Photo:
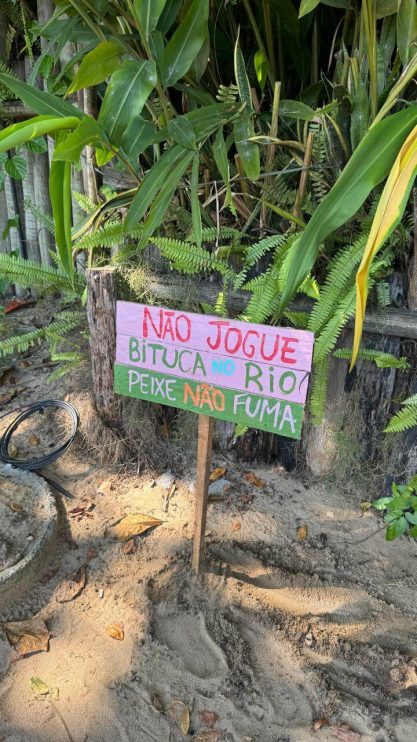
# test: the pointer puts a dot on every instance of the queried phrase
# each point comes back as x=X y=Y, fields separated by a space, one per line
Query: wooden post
x=101 y=314
x=205 y=437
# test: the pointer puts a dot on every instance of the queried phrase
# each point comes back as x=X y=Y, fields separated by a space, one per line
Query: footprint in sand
x=188 y=637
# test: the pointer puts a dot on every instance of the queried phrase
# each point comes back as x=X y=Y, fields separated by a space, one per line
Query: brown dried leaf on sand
x=179 y=712
x=131 y=525
x=251 y=477
x=208 y=718
x=27 y=637
x=72 y=585
x=220 y=471
x=116 y=631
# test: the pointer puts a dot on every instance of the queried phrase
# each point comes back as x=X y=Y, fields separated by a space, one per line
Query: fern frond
x=381 y=359
x=297 y=319
x=85 y=203
x=20 y=343
x=65 y=369
x=29 y=273
x=383 y=294
x=42 y=216
x=403 y=420
x=341 y=274
x=320 y=378
x=240 y=429
x=220 y=306
x=330 y=333
x=188 y=258
x=110 y=234
x=209 y=234
x=256 y=251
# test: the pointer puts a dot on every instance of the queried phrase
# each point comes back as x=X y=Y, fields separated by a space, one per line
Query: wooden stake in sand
x=205 y=438
x=254 y=375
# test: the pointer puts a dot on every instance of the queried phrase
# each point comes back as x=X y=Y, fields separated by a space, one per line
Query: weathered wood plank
x=387 y=322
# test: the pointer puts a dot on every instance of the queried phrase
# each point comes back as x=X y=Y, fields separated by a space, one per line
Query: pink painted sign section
x=279 y=382
x=284 y=347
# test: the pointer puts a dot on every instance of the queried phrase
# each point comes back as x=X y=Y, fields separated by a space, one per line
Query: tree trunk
x=101 y=314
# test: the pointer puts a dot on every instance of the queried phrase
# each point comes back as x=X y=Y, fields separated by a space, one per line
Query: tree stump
x=101 y=314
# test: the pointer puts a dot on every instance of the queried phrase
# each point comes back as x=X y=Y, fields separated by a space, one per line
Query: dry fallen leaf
x=236 y=525
x=208 y=718
x=220 y=471
x=16 y=507
x=116 y=631
x=82 y=511
x=302 y=532
x=72 y=585
x=27 y=637
x=131 y=525
x=251 y=477
x=129 y=547
x=34 y=440
x=318 y=724
x=157 y=703
x=344 y=733
x=179 y=712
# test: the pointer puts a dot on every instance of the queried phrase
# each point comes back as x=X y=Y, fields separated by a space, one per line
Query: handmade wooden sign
x=250 y=374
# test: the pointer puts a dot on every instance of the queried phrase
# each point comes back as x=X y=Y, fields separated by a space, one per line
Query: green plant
x=57 y=333
x=406 y=418
x=400 y=510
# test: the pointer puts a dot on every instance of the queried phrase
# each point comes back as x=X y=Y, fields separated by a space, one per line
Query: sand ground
x=304 y=618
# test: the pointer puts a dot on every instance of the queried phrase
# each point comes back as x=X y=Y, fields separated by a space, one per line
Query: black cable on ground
x=42 y=461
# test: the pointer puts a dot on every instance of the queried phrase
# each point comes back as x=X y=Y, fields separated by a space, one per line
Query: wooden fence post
x=101 y=314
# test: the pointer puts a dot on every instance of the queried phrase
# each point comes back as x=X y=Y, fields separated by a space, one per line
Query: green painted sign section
x=254 y=410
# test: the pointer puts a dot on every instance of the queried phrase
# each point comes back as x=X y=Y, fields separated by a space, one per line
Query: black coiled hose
x=42 y=461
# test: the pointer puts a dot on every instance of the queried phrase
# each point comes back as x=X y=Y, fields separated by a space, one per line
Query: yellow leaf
x=389 y=212
x=39 y=687
x=131 y=525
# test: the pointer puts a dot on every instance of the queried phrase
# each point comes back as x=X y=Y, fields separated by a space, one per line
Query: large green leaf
x=248 y=151
x=307 y=6
x=241 y=76
x=125 y=97
x=295 y=109
x=18 y=134
x=222 y=161
x=185 y=43
x=195 y=203
x=16 y=167
x=70 y=149
x=181 y=131
x=152 y=184
x=406 y=28
x=368 y=166
x=60 y=193
x=38 y=100
x=164 y=197
x=138 y=136
x=98 y=65
x=148 y=13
